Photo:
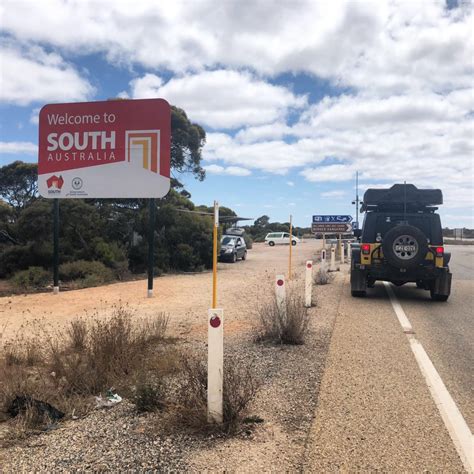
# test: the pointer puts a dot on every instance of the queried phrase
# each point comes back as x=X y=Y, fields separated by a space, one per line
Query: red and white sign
x=111 y=149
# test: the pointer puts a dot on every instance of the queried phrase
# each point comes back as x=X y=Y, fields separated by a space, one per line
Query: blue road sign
x=355 y=225
x=332 y=219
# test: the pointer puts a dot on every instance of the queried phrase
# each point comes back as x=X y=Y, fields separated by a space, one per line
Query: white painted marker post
x=341 y=250
x=332 y=266
x=215 y=366
x=348 y=246
x=308 y=283
x=280 y=293
x=323 y=257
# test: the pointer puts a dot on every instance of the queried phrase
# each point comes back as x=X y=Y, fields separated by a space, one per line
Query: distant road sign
x=355 y=225
x=331 y=219
x=328 y=228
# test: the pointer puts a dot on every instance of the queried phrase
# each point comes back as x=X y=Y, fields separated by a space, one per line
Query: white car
x=275 y=238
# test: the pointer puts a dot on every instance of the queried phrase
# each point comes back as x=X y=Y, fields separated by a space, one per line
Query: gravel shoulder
x=375 y=411
x=120 y=439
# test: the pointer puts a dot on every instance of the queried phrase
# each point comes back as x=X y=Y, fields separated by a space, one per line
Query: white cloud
x=221 y=99
x=336 y=194
x=230 y=170
x=290 y=183
x=34 y=116
x=14 y=148
x=389 y=46
x=33 y=75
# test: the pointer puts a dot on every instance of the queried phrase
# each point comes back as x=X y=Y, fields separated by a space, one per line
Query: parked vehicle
x=401 y=241
x=276 y=238
x=233 y=247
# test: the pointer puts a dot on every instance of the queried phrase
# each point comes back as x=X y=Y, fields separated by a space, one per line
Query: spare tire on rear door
x=405 y=246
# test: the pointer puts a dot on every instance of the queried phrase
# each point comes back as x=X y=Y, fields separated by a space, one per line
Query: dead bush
x=77 y=332
x=240 y=388
x=286 y=325
x=149 y=396
x=322 y=276
x=86 y=358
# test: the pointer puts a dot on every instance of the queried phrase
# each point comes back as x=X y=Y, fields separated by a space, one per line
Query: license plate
x=405 y=248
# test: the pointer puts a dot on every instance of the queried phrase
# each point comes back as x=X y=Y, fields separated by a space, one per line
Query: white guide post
x=55 y=290
x=308 y=283
x=215 y=365
x=280 y=293
x=348 y=246
x=323 y=258
x=341 y=250
x=332 y=266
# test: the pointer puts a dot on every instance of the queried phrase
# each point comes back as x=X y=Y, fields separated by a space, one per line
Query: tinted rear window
x=375 y=223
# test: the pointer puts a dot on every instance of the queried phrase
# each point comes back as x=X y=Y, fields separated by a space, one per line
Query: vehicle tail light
x=365 y=249
x=439 y=251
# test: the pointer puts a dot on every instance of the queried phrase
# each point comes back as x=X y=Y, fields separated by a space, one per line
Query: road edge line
x=453 y=420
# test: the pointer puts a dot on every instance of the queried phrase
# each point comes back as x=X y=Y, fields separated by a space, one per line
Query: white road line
x=453 y=420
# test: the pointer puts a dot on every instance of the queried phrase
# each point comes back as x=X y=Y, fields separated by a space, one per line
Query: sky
x=295 y=96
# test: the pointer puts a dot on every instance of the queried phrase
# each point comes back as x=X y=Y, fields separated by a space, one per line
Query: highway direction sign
x=331 y=219
x=331 y=228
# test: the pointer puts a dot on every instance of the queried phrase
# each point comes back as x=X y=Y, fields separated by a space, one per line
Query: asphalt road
x=446 y=330
x=375 y=410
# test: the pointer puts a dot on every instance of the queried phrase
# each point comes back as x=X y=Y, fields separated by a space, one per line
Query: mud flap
x=358 y=280
x=442 y=284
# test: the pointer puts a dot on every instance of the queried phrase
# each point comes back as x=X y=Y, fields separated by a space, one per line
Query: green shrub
x=92 y=273
x=33 y=278
x=248 y=241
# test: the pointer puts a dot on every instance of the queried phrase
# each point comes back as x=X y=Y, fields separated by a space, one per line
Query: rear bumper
x=389 y=273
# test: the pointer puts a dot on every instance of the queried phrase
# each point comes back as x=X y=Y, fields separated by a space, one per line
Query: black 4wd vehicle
x=401 y=241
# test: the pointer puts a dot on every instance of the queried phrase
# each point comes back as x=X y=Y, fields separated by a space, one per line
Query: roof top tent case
x=401 y=195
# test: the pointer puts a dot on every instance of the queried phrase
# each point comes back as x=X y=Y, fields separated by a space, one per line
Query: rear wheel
x=358 y=294
x=244 y=256
x=293 y=242
x=271 y=243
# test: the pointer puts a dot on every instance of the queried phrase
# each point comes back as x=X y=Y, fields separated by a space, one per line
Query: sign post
x=56 y=247
x=291 y=248
x=108 y=149
x=215 y=366
x=151 y=244
x=308 y=283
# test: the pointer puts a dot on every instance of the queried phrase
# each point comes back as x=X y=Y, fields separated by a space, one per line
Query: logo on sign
x=54 y=184
x=143 y=147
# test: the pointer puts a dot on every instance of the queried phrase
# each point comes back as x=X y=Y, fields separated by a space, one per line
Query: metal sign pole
x=291 y=248
x=151 y=244
x=56 y=247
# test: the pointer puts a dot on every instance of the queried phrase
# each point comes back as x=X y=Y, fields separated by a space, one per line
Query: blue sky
x=294 y=96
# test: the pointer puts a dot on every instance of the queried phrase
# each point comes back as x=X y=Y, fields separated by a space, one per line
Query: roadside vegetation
x=287 y=324
x=63 y=374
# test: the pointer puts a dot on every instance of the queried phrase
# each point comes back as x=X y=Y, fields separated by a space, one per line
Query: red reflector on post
x=365 y=248
x=439 y=251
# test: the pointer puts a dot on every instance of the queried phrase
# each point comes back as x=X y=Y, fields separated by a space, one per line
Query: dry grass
x=287 y=325
x=322 y=276
x=64 y=368
x=240 y=388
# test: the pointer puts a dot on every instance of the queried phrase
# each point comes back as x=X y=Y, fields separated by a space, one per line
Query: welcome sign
x=111 y=149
